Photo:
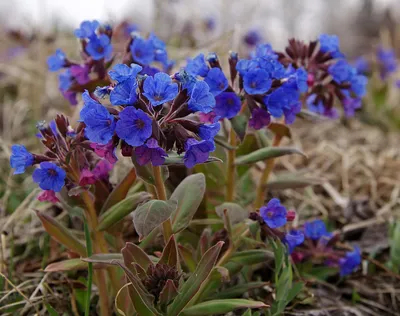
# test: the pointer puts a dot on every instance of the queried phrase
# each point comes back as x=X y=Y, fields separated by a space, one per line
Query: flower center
x=270 y=214
x=139 y=124
x=51 y=172
x=158 y=97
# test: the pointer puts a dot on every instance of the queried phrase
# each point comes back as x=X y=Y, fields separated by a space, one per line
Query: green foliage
x=394 y=259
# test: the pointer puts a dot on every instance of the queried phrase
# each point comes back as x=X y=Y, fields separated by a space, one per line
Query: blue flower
x=361 y=64
x=293 y=239
x=227 y=105
x=87 y=29
x=197 y=151
x=20 y=158
x=134 y=126
x=259 y=118
x=197 y=66
x=359 y=85
x=100 y=124
x=150 y=152
x=283 y=101
x=291 y=111
x=142 y=51
x=201 y=99
x=350 y=262
x=263 y=50
x=49 y=176
x=388 y=61
x=124 y=93
x=216 y=81
x=208 y=132
x=245 y=65
x=253 y=37
x=187 y=80
x=156 y=42
x=329 y=43
x=341 y=71
x=319 y=108
x=274 y=214
x=300 y=76
x=57 y=61
x=122 y=72
x=99 y=47
x=101 y=92
x=257 y=82
x=65 y=80
x=272 y=66
x=160 y=89
x=315 y=230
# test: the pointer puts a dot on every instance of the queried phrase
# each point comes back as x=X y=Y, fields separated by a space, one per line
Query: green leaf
x=118 y=211
x=189 y=194
x=66 y=265
x=120 y=191
x=238 y=290
x=250 y=257
x=294 y=291
x=146 y=173
x=311 y=116
x=90 y=269
x=134 y=254
x=235 y=212
x=223 y=143
x=196 y=279
x=221 y=307
x=168 y=293
x=174 y=159
x=239 y=125
x=395 y=247
x=61 y=234
x=187 y=256
x=267 y=153
x=151 y=214
x=291 y=182
x=169 y=255
x=51 y=310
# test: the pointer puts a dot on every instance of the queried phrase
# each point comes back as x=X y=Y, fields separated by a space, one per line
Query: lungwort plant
x=203 y=143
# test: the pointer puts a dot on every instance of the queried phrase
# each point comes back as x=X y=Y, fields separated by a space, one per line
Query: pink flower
x=105 y=151
x=102 y=169
x=48 y=196
x=87 y=177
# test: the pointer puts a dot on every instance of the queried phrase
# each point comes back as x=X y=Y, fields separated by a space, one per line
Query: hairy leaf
x=146 y=173
x=267 y=153
x=235 y=212
x=174 y=159
x=221 y=307
x=66 y=265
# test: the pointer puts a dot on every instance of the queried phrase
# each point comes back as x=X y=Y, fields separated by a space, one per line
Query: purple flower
x=257 y=81
x=319 y=108
x=197 y=151
x=291 y=111
x=100 y=47
x=106 y=151
x=102 y=169
x=49 y=176
x=122 y=72
x=124 y=93
x=201 y=99
x=341 y=71
x=57 y=61
x=80 y=73
x=150 y=152
x=134 y=126
x=316 y=230
x=70 y=96
x=259 y=118
x=65 y=80
x=274 y=214
x=350 y=105
x=160 y=89
x=197 y=66
x=20 y=158
x=253 y=37
x=217 y=81
x=227 y=105
x=293 y=239
x=87 y=29
x=350 y=262
x=100 y=124
x=208 y=132
x=87 y=177
x=48 y=196
x=142 y=51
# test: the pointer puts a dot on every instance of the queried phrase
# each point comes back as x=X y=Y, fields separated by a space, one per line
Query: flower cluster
x=273 y=216
x=68 y=161
x=97 y=57
x=264 y=85
x=387 y=62
x=321 y=247
x=151 y=115
x=329 y=75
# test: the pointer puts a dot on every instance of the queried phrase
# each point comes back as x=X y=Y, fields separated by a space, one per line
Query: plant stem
x=269 y=165
x=230 y=188
x=162 y=195
x=90 y=269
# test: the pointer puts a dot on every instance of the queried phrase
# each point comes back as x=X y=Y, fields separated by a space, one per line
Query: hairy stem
x=162 y=195
x=269 y=165
x=230 y=188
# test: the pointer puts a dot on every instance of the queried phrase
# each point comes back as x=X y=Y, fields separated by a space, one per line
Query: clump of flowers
x=322 y=247
x=97 y=57
x=150 y=116
x=329 y=76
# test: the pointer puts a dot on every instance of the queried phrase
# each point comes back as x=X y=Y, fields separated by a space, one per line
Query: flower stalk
x=230 y=189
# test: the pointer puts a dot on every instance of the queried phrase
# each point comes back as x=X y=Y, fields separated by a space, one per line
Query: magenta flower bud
x=87 y=178
x=48 y=196
x=291 y=215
